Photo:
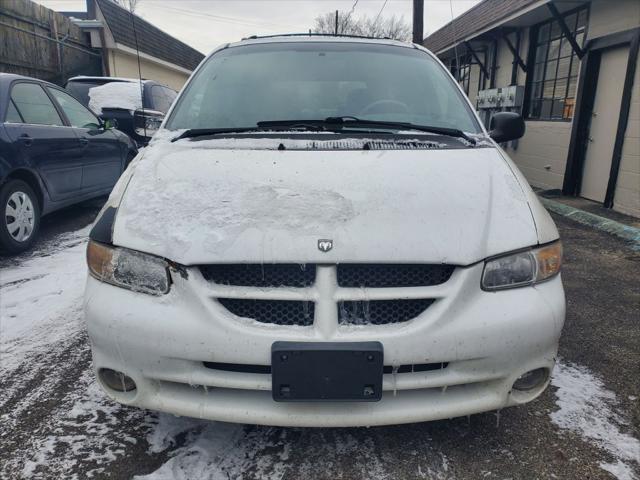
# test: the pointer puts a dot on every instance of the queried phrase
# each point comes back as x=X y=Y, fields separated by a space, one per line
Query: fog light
x=117 y=381
x=532 y=379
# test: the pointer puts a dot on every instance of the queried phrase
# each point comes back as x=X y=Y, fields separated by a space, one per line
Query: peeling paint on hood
x=199 y=205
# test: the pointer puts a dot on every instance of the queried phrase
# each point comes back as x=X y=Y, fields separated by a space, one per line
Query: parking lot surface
x=56 y=423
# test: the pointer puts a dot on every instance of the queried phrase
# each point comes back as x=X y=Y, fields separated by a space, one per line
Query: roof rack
x=310 y=34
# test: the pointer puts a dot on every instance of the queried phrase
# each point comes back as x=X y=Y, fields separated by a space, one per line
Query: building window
x=464 y=73
x=554 y=78
x=461 y=71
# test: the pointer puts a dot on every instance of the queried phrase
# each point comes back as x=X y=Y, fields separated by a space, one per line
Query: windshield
x=241 y=86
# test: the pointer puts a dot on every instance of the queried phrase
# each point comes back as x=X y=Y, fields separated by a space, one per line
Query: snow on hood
x=194 y=204
x=125 y=95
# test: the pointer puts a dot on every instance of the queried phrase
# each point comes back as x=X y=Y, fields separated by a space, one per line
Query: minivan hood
x=194 y=204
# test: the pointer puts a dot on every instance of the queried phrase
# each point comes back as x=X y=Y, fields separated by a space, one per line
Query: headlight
x=128 y=269
x=522 y=268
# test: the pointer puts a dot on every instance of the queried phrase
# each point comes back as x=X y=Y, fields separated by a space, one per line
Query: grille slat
x=266 y=369
x=278 y=312
x=380 y=275
x=381 y=312
x=350 y=312
x=261 y=275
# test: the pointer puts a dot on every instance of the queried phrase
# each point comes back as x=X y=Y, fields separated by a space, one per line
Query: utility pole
x=418 y=19
x=336 y=22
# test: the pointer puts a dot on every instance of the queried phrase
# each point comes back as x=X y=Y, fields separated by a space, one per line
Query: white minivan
x=323 y=234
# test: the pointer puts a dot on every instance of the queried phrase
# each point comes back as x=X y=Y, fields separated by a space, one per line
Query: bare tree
x=128 y=4
x=379 y=27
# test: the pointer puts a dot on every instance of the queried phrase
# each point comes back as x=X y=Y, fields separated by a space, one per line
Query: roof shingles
x=473 y=20
x=151 y=40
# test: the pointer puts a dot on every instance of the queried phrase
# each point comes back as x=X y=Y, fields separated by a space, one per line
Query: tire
x=18 y=197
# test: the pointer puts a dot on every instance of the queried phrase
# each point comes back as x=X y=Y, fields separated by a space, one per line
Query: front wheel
x=19 y=216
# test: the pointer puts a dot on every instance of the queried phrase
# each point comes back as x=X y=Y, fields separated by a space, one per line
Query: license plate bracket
x=326 y=371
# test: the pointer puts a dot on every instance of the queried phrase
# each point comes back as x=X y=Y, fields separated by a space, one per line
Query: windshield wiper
x=313 y=125
x=330 y=124
x=350 y=121
x=200 y=132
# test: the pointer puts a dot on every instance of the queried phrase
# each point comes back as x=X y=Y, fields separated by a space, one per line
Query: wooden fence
x=38 y=42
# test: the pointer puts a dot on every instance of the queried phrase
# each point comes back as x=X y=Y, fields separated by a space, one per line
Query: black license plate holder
x=326 y=371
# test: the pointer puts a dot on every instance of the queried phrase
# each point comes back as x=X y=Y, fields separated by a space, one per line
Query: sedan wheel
x=19 y=216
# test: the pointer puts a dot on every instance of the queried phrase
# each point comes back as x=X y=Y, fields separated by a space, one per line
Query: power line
x=225 y=19
x=346 y=19
x=352 y=9
x=380 y=12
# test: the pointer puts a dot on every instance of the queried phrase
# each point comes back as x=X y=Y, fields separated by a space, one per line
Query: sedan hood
x=195 y=203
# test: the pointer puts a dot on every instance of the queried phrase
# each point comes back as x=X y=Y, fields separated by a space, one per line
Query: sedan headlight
x=128 y=269
x=522 y=268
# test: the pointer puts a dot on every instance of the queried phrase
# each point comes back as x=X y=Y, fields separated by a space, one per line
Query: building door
x=604 y=123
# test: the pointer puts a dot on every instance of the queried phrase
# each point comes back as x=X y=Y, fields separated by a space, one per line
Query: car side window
x=162 y=98
x=13 y=116
x=170 y=94
x=34 y=105
x=79 y=116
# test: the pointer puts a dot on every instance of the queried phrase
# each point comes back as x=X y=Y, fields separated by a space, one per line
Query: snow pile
x=126 y=95
x=588 y=409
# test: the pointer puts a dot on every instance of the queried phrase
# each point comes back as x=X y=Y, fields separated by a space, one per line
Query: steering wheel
x=397 y=107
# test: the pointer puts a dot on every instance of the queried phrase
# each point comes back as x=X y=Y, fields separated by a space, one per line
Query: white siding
x=609 y=16
x=542 y=153
x=124 y=65
x=627 y=194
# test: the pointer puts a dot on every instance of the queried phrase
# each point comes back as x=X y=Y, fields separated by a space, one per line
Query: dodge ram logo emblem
x=324 y=245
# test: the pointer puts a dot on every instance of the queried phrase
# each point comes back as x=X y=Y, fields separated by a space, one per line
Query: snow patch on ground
x=588 y=409
x=39 y=299
x=214 y=450
x=222 y=451
x=89 y=432
x=126 y=95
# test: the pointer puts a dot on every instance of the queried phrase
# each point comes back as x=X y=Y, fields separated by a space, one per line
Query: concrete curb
x=626 y=232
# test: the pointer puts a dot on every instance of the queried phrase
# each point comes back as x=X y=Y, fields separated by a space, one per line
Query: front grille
x=259 y=275
x=380 y=312
x=380 y=275
x=352 y=310
x=266 y=369
x=278 y=312
x=418 y=367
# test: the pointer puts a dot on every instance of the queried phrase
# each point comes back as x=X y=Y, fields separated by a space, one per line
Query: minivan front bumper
x=482 y=341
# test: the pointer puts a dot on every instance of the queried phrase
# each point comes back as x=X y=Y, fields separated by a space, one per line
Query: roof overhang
x=531 y=15
x=132 y=51
x=87 y=24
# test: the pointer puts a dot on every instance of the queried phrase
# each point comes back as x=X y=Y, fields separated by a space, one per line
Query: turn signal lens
x=549 y=260
x=99 y=260
x=128 y=268
x=522 y=268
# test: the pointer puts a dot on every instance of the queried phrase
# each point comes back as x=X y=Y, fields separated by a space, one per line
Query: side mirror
x=506 y=126
x=110 y=123
x=147 y=122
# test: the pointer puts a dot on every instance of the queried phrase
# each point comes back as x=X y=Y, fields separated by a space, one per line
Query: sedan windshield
x=241 y=86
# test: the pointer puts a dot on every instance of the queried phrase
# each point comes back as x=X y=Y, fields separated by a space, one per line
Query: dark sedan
x=54 y=152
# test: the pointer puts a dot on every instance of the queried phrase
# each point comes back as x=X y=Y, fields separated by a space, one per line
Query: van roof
x=320 y=37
